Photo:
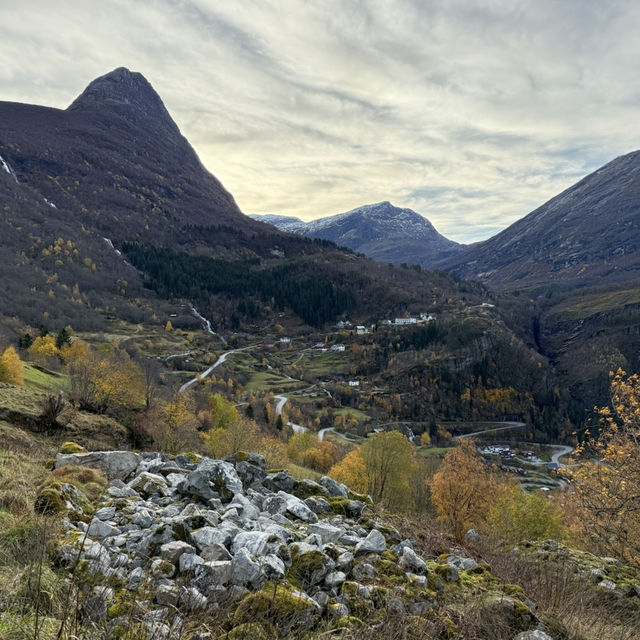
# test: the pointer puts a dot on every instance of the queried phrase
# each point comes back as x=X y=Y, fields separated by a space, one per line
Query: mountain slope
x=381 y=231
x=588 y=235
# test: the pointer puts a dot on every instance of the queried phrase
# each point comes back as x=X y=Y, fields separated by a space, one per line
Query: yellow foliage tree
x=222 y=412
x=76 y=349
x=274 y=452
x=11 y=367
x=241 y=435
x=43 y=348
x=100 y=381
x=463 y=490
x=173 y=425
x=351 y=470
x=605 y=476
x=390 y=462
x=425 y=439
x=517 y=516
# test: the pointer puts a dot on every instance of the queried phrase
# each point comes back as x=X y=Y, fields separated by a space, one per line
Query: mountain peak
x=130 y=94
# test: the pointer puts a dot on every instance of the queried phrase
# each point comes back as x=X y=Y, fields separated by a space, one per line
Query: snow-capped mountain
x=381 y=231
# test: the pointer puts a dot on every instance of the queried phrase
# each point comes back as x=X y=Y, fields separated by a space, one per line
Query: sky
x=471 y=113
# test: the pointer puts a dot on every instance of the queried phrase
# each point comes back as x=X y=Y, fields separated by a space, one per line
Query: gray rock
x=115 y=464
x=345 y=561
x=335 y=579
x=373 y=543
x=216 y=552
x=328 y=533
x=167 y=595
x=338 y=610
x=472 y=537
x=192 y=600
x=172 y=551
x=298 y=509
x=189 y=562
x=335 y=489
x=272 y=567
x=208 y=536
x=319 y=506
x=322 y=598
x=280 y=481
x=217 y=573
x=363 y=571
x=255 y=542
x=536 y=634
x=416 y=580
x=149 y=484
x=96 y=606
x=246 y=571
x=460 y=562
x=106 y=513
x=409 y=561
x=609 y=585
x=212 y=479
x=275 y=504
x=100 y=529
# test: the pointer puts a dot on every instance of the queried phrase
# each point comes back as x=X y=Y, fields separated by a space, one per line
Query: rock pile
x=187 y=534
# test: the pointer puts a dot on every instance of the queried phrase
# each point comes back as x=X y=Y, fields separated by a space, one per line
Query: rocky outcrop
x=194 y=535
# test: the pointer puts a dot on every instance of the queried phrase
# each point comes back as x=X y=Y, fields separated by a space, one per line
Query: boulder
x=297 y=508
x=172 y=551
x=212 y=479
x=280 y=481
x=117 y=465
x=373 y=543
x=409 y=561
x=245 y=571
x=335 y=489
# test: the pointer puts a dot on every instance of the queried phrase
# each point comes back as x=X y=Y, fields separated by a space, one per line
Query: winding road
x=297 y=428
x=508 y=425
x=217 y=363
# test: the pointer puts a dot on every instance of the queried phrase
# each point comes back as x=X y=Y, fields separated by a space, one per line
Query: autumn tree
x=385 y=467
x=390 y=462
x=11 y=367
x=605 y=475
x=240 y=435
x=106 y=380
x=463 y=490
x=43 y=348
x=517 y=515
x=351 y=470
x=173 y=425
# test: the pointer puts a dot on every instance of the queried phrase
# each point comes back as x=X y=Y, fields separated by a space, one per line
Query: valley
x=302 y=412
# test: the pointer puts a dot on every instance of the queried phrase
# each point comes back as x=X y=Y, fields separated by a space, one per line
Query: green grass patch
x=44 y=380
x=303 y=473
x=325 y=364
x=264 y=381
x=427 y=452
x=360 y=416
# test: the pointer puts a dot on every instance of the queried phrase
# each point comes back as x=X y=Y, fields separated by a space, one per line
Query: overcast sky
x=471 y=113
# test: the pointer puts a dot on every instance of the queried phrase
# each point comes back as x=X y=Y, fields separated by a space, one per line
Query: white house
x=361 y=330
x=337 y=347
x=405 y=321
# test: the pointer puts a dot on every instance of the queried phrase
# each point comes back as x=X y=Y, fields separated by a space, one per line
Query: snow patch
x=53 y=206
x=8 y=169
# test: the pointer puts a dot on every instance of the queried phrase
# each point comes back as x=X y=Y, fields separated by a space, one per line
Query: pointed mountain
x=588 y=235
x=116 y=162
x=381 y=231
x=130 y=95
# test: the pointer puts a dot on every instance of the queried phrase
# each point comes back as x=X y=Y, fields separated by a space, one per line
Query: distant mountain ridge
x=589 y=235
x=381 y=231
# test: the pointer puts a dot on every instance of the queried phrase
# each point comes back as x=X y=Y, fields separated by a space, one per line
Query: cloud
x=472 y=113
